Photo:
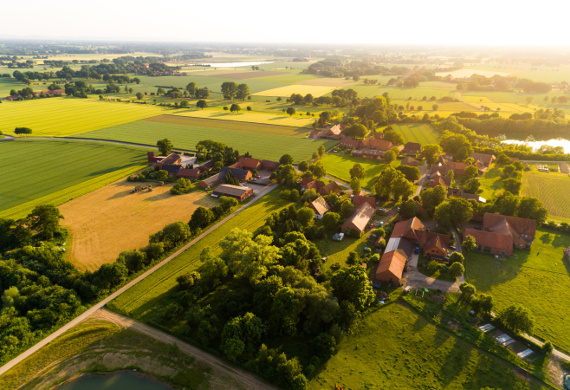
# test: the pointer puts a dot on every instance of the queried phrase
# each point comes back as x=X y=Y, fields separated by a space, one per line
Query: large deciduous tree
x=352 y=285
x=453 y=212
x=45 y=220
x=229 y=90
x=164 y=146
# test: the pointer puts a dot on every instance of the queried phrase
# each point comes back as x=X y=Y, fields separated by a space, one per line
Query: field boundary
x=114 y=295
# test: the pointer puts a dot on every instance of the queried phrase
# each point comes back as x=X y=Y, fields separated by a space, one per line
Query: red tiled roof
x=359 y=199
x=486 y=159
x=320 y=205
x=410 y=161
x=359 y=219
x=379 y=144
x=331 y=187
x=391 y=266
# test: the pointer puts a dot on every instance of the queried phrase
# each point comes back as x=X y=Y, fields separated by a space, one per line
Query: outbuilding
x=238 y=192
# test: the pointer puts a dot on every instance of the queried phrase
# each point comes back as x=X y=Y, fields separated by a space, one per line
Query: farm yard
x=551 y=189
x=56 y=171
x=110 y=220
x=421 y=133
x=60 y=117
x=261 y=145
x=395 y=347
x=539 y=278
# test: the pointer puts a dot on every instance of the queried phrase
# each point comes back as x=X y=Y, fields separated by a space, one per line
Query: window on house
x=487 y=249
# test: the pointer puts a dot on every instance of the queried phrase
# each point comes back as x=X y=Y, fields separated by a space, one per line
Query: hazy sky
x=455 y=22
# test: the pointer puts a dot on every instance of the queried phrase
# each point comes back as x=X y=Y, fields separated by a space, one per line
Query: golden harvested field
x=110 y=220
x=276 y=119
x=329 y=82
x=302 y=89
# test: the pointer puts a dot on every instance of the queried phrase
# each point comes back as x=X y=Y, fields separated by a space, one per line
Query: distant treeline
x=519 y=129
x=503 y=83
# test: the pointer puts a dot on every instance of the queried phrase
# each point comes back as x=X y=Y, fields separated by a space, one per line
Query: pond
x=535 y=145
x=115 y=381
x=231 y=64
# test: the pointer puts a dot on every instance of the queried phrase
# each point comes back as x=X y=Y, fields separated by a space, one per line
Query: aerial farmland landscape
x=190 y=201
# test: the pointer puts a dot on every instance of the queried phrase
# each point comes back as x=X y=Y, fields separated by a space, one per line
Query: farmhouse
x=320 y=206
x=437 y=179
x=349 y=142
x=391 y=267
x=308 y=183
x=412 y=148
x=445 y=166
x=484 y=160
x=151 y=158
x=378 y=144
x=502 y=233
x=247 y=163
x=410 y=161
x=332 y=133
x=359 y=220
x=211 y=181
x=267 y=165
x=242 y=175
x=434 y=245
x=459 y=193
x=171 y=159
x=358 y=200
x=331 y=188
x=240 y=193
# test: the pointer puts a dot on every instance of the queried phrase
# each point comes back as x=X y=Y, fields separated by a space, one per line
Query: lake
x=231 y=64
x=122 y=380
x=537 y=144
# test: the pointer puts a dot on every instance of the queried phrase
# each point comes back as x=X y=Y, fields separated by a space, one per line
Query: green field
x=551 y=189
x=263 y=146
x=539 y=279
x=142 y=300
x=491 y=182
x=417 y=132
x=279 y=119
x=394 y=348
x=36 y=171
x=339 y=165
x=59 y=117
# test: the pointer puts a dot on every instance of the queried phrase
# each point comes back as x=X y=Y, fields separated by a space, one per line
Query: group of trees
x=231 y=90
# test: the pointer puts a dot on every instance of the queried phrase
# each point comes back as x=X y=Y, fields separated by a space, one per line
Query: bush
x=22 y=130
x=433 y=266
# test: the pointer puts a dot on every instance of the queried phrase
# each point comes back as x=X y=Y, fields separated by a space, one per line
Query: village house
x=308 y=183
x=391 y=267
x=437 y=179
x=331 y=188
x=240 y=193
x=359 y=219
x=349 y=142
x=483 y=161
x=502 y=233
x=171 y=159
x=320 y=206
x=412 y=149
x=332 y=132
x=246 y=163
x=444 y=166
x=410 y=161
x=358 y=200
x=459 y=193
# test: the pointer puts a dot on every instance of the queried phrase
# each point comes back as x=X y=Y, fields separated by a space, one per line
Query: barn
x=240 y=193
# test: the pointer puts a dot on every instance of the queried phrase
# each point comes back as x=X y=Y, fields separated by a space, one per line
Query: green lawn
x=422 y=133
x=551 y=189
x=339 y=165
x=539 y=279
x=141 y=301
x=491 y=182
x=36 y=171
x=262 y=146
x=393 y=348
x=63 y=116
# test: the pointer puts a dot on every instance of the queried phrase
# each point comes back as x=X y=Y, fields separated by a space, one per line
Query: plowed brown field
x=110 y=220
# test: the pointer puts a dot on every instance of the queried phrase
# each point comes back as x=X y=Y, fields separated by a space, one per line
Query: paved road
x=102 y=303
x=248 y=380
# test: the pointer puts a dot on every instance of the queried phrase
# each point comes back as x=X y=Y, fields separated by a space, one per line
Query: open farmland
x=551 y=189
x=302 y=89
x=340 y=165
x=144 y=300
x=540 y=277
x=110 y=220
x=260 y=145
x=398 y=349
x=329 y=82
x=277 y=119
x=417 y=132
x=60 y=117
x=57 y=171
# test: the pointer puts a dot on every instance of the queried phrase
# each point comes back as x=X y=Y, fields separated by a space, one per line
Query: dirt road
x=102 y=303
x=248 y=380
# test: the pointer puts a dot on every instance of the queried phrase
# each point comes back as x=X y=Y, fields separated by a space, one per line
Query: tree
x=512 y=185
x=356 y=131
x=324 y=346
x=201 y=104
x=471 y=171
x=471 y=186
x=355 y=185
x=303 y=166
x=532 y=208
x=412 y=173
x=467 y=291
x=235 y=108
x=346 y=208
x=453 y=212
x=402 y=189
x=352 y=284
x=242 y=91
x=433 y=197
x=164 y=146
x=408 y=209
x=456 y=257
x=241 y=336
x=203 y=93
x=357 y=172
x=516 y=318
x=547 y=348
x=305 y=215
x=393 y=136
x=456 y=269
x=469 y=243
x=330 y=221
x=140 y=95
x=201 y=218
x=286 y=174
x=191 y=88
x=229 y=89
x=484 y=304
x=184 y=104
x=321 y=150
x=431 y=153
x=291 y=111
x=286 y=159
x=435 y=107
x=389 y=156
x=45 y=220
x=318 y=169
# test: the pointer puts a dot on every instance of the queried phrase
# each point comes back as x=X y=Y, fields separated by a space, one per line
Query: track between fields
x=114 y=295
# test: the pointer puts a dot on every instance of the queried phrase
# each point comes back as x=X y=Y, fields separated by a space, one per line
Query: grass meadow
x=422 y=133
x=60 y=117
x=142 y=300
x=551 y=189
x=277 y=119
x=260 y=145
x=491 y=182
x=394 y=348
x=57 y=171
x=539 y=279
x=286 y=91
x=339 y=166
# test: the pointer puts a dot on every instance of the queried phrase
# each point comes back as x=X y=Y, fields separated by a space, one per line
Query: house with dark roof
x=242 y=175
x=171 y=159
x=308 y=183
x=349 y=142
x=367 y=153
x=189 y=173
x=484 y=159
x=459 y=193
x=331 y=188
x=391 y=267
x=212 y=181
x=502 y=233
x=437 y=179
x=267 y=165
x=238 y=192
x=412 y=148
x=410 y=161
x=358 y=221
x=320 y=206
